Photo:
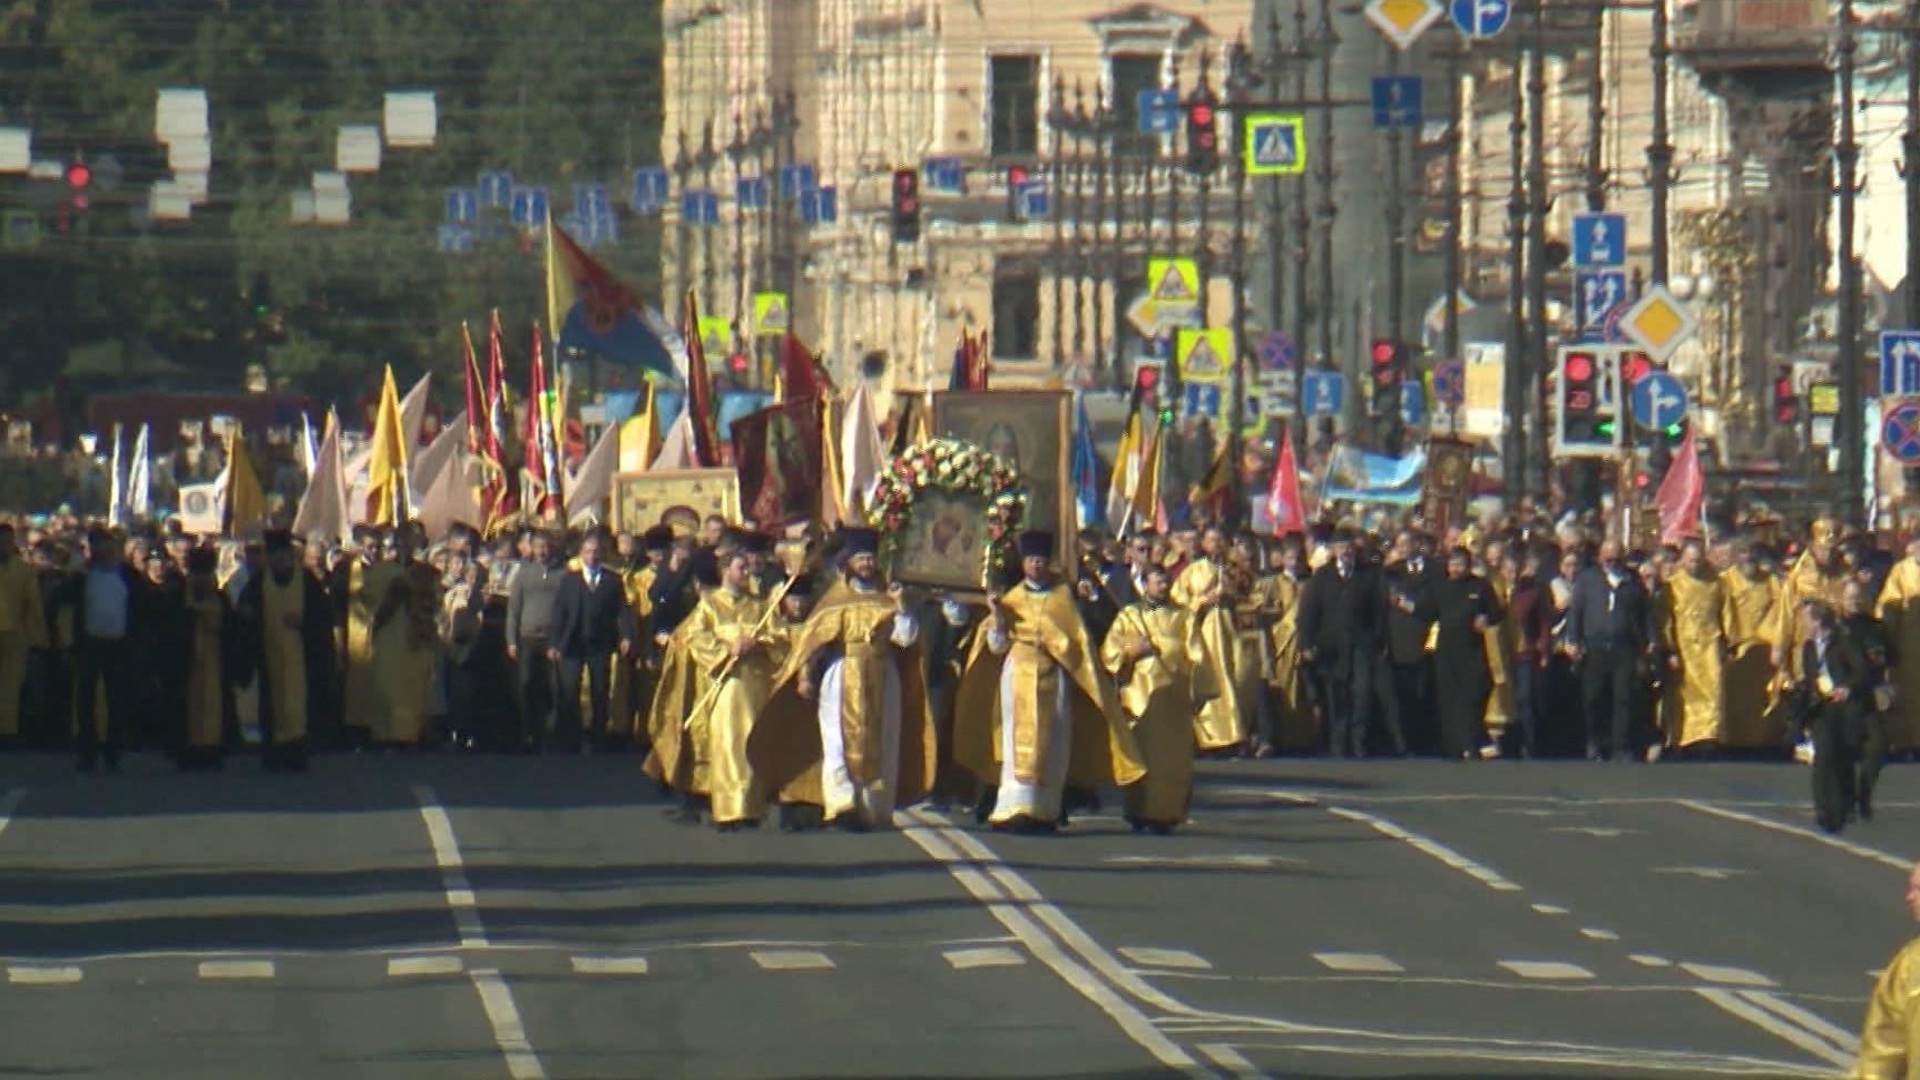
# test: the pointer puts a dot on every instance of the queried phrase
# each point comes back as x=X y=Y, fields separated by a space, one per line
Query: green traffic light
x=1673 y=431
x=1604 y=427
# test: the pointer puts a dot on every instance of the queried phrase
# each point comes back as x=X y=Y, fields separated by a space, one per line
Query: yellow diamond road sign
x=1403 y=21
x=1659 y=323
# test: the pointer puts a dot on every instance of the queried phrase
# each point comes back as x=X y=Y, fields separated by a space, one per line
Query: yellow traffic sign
x=771 y=314
x=716 y=337
x=1204 y=355
x=1659 y=323
x=1173 y=284
x=1276 y=144
x=1403 y=21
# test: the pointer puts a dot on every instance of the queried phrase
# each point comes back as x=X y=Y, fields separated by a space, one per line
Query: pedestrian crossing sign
x=1204 y=355
x=1276 y=144
x=716 y=336
x=771 y=314
x=1173 y=284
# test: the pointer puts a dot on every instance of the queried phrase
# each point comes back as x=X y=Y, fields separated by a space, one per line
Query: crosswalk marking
x=1599 y=935
x=1167 y=958
x=425 y=965
x=42 y=976
x=1650 y=960
x=1358 y=963
x=1546 y=969
x=994 y=956
x=1549 y=909
x=791 y=960
x=236 y=969
x=609 y=965
x=1726 y=976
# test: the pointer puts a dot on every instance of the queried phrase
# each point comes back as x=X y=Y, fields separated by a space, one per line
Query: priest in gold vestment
x=1034 y=714
x=1293 y=720
x=1890 y=1038
x=1816 y=575
x=1151 y=652
x=206 y=625
x=1750 y=621
x=404 y=594
x=716 y=679
x=1899 y=612
x=23 y=628
x=867 y=744
x=1201 y=589
x=1694 y=633
x=285 y=625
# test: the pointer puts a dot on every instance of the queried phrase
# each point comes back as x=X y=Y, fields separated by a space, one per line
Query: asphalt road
x=408 y=916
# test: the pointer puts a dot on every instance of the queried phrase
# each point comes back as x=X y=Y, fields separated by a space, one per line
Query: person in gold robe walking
x=1749 y=625
x=1695 y=634
x=207 y=625
x=1294 y=724
x=1151 y=652
x=1899 y=614
x=1890 y=1037
x=1034 y=715
x=23 y=628
x=1202 y=589
x=406 y=635
x=285 y=626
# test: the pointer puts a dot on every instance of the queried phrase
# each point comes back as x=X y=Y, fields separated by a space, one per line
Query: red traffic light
x=1638 y=367
x=79 y=175
x=1382 y=353
x=1200 y=114
x=1146 y=379
x=1579 y=367
x=738 y=362
x=1016 y=175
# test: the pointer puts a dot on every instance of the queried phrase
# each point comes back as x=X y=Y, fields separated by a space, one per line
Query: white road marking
x=405 y=966
x=509 y=1034
x=1609 y=1060
x=1537 y=812
x=1358 y=963
x=992 y=956
x=1204 y=862
x=1598 y=934
x=1021 y=915
x=1549 y=909
x=1733 y=1003
x=236 y=969
x=792 y=960
x=609 y=965
x=1428 y=846
x=1819 y=1025
x=43 y=976
x=1232 y=1060
x=1546 y=969
x=1650 y=960
x=1706 y=873
x=1726 y=976
x=9 y=803
x=1166 y=958
x=1601 y=832
x=1848 y=846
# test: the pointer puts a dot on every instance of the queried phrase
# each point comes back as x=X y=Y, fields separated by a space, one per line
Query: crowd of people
x=788 y=675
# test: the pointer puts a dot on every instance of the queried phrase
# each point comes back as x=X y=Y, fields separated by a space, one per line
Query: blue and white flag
x=1355 y=475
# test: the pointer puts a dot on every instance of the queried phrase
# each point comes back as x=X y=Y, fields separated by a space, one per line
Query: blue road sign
x=1481 y=18
x=1659 y=401
x=455 y=239
x=1900 y=432
x=1277 y=351
x=1033 y=202
x=496 y=188
x=1413 y=402
x=699 y=206
x=1325 y=392
x=649 y=188
x=463 y=204
x=1596 y=294
x=1599 y=240
x=1276 y=145
x=820 y=206
x=942 y=173
x=1159 y=111
x=1200 y=398
x=1899 y=363
x=751 y=192
x=1450 y=383
x=592 y=202
x=1396 y=101
x=796 y=179
x=529 y=206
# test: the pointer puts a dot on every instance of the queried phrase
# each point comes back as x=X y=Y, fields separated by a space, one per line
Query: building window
x=1013 y=105
x=1128 y=74
x=1016 y=312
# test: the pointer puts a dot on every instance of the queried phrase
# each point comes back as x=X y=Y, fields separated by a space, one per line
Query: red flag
x=476 y=411
x=701 y=406
x=499 y=498
x=537 y=439
x=1283 y=493
x=800 y=371
x=1680 y=494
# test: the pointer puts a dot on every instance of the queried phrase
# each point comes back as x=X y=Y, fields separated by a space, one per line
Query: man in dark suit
x=1836 y=694
x=107 y=628
x=591 y=622
x=1340 y=616
x=1408 y=698
x=1608 y=631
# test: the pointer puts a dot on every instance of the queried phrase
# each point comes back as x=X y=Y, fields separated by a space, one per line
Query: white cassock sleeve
x=906 y=630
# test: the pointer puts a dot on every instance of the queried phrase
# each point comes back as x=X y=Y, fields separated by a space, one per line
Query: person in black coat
x=1340 y=616
x=1608 y=633
x=1836 y=698
x=591 y=621
x=1462 y=606
x=1407 y=694
x=108 y=628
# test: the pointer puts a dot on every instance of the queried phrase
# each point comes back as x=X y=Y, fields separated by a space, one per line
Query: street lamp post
x=1849 y=425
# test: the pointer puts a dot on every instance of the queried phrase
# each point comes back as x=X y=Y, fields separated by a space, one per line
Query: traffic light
x=1586 y=416
x=906 y=206
x=1016 y=179
x=1786 y=405
x=79 y=181
x=1389 y=359
x=1203 y=140
x=1146 y=382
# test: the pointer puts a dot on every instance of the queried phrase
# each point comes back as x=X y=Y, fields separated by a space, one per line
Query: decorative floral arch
x=950 y=465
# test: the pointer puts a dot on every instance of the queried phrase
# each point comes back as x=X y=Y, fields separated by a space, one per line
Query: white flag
x=588 y=489
x=323 y=509
x=140 y=478
x=116 y=485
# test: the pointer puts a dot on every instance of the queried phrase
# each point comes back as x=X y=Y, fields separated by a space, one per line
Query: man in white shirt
x=105 y=656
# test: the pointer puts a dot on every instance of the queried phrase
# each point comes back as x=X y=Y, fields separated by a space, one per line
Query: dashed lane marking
x=992 y=956
x=42 y=976
x=1358 y=963
x=1598 y=934
x=406 y=966
x=1546 y=969
x=1166 y=958
x=1726 y=976
x=1549 y=909
x=792 y=960
x=236 y=969
x=1649 y=960
x=609 y=965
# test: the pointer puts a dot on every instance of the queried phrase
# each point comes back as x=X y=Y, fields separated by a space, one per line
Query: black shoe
x=800 y=817
x=683 y=815
x=1161 y=829
x=849 y=822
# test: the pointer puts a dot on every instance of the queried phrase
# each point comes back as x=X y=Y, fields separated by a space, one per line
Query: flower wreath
x=950 y=465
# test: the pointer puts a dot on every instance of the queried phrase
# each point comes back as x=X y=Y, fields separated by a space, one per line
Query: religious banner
x=777 y=452
x=1449 y=484
x=678 y=498
x=1031 y=431
x=932 y=504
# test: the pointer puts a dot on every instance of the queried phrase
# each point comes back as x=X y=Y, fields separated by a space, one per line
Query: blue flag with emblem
x=1086 y=470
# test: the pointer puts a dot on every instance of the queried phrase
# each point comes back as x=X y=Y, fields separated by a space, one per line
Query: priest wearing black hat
x=286 y=640
x=207 y=630
x=847 y=728
x=1031 y=697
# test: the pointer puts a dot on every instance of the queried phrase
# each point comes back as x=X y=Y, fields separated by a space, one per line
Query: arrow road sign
x=1599 y=240
x=1899 y=363
x=1396 y=101
x=1900 y=432
x=1450 y=383
x=1159 y=111
x=1480 y=18
x=1326 y=392
x=1659 y=401
x=1413 y=402
x=1597 y=295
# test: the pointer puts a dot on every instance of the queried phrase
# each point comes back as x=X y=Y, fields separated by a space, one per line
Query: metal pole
x=1660 y=151
x=1538 y=453
x=1514 y=373
x=1910 y=169
x=1396 y=225
x=1302 y=238
x=1597 y=120
x=1849 y=424
x=1450 y=333
x=1325 y=174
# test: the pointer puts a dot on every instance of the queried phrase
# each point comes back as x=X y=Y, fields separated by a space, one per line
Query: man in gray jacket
x=529 y=611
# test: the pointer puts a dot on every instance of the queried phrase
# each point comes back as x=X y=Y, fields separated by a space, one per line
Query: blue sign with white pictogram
x=1659 y=401
x=1597 y=294
x=463 y=204
x=796 y=179
x=1450 y=383
x=943 y=174
x=820 y=206
x=699 y=206
x=1200 y=398
x=1159 y=111
x=1032 y=201
x=496 y=188
x=1277 y=351
x=591 y=201
x=1899 y=363
x=455 y=239
x=1325 y=392
x=1599 y=240
x=1276 y=145
x=529 y=206
x=1396 y=101
x=1413 y=402
x=649 y=188
x=1481 y=18
x=751 y=192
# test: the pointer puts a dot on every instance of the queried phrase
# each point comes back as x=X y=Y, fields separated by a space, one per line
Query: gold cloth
x=1751 y=717
x=1253 y=617
x=1157 y=694
x=1293 y=721
x=206 y=700
x=1502 y=641
x=785 y=745
x=283 y=613
x=23 y=628
x=1808 y=580
x=1899 y=611
x=1049 y=640
x=366 y=585
x=1890 y=1039
x=405 y=636
x=1216 y=724
x=1693 y=628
